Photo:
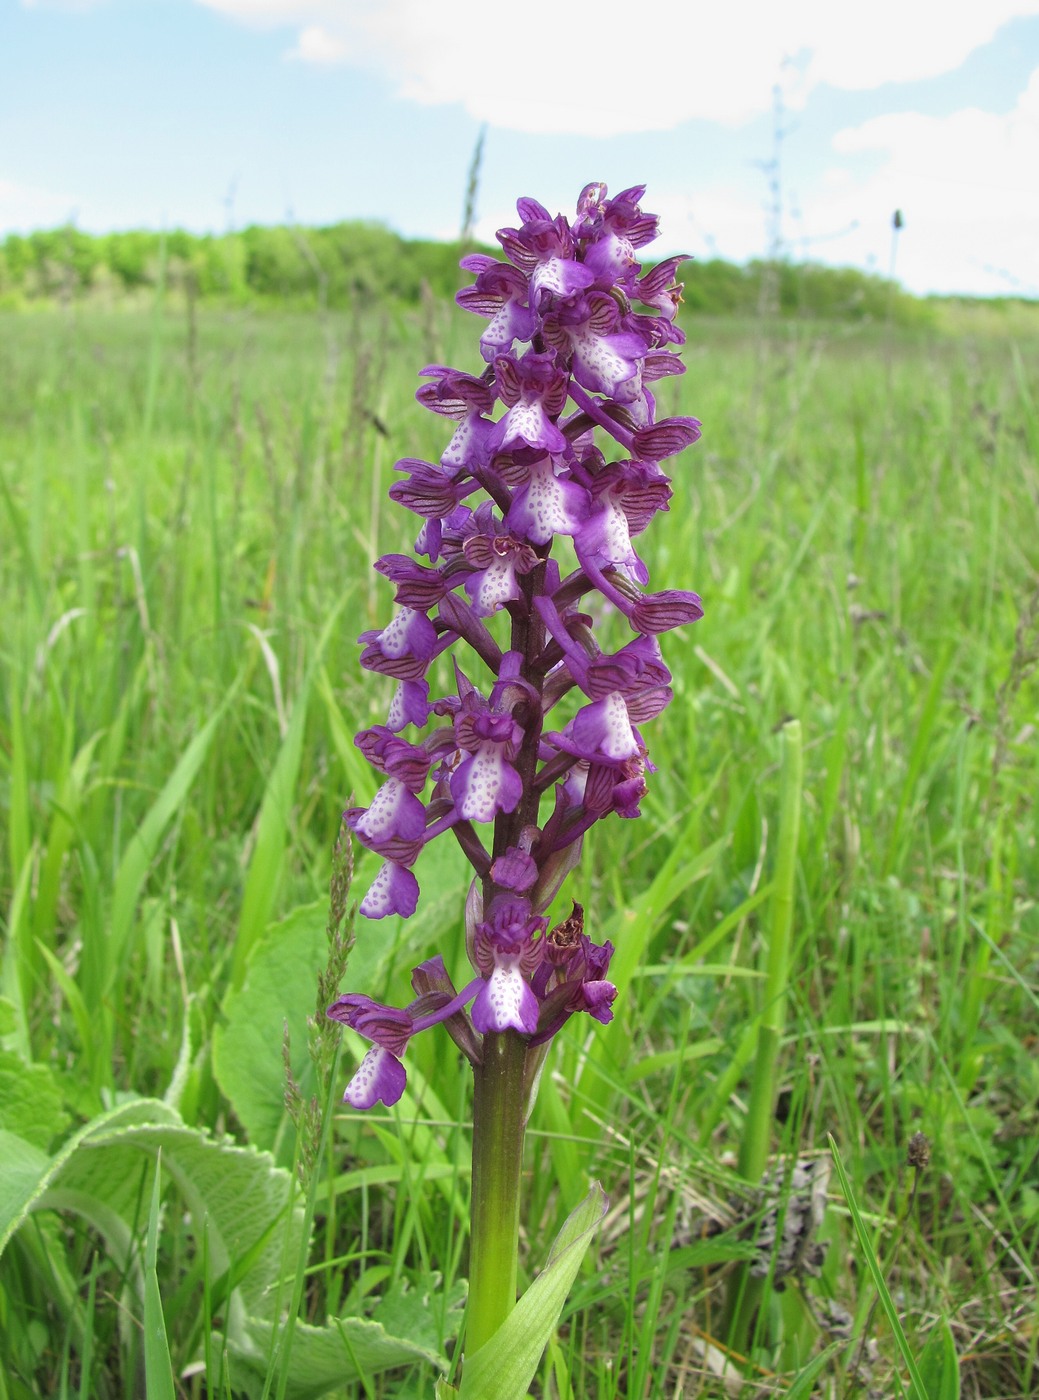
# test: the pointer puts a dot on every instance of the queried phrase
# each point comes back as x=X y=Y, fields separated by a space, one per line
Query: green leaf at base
x=939 y=1364
x=505 y=1366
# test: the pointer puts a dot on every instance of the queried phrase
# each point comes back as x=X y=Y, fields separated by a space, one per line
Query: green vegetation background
x=192 y=493
x=331 y=266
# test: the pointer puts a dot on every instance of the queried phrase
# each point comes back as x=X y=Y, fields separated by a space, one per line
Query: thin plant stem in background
x=540 y=738
x=472 y=189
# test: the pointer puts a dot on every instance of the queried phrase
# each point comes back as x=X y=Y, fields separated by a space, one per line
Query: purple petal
x=500 y=292
x=604 y=728
x=600 y=789
x=393 y=891
x=598 y=1000
x=417 y=587
x=513 y=322
x=492 y=587
x=606 y=538
x=640 y=490
x=506 y=1000
x=478 y=262
x=635 y=669
x=648 y=704
x=403 y=648
x=628 y=794
x=454 y=394
x=531 y=211
x=408 y=763
x=470 y=443
x=611 y=257
x=589 y=202
x=432 y=976
x=401 y=668
x=660 y=289
x=484 y=784
x=394 y=812
x=515 y=870
x=604 y=362
x=548 y=505
x=410 y=632
x=661 y=364
x=410 y=705
x=379 y=1076
x=428 y=491
x=387 y=1026
x=660 y=612
x=561 y=277
x=666 y=438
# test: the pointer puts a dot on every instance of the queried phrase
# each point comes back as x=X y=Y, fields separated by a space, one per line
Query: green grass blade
x=265 y=866
x=923 y=744
x=920 y=1391
x=262 y=881
x=635 y=926
x=144 y=845
x=21 y=534
x=15 y=969
x=158 y=1369
x=85 y=1022
x=19 y=823
x=754 y=1147
x=87 y=1357
x=284 y=1341
x=939 y=1364
x=804 y=1386
x=361 y=779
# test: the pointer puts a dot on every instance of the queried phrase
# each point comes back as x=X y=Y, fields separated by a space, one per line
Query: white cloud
x=553 y=67
x=901 y=40
x=316 y=45
x=965 y=184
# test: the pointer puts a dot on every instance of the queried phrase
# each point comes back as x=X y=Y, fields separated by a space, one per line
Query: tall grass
x=189 y=504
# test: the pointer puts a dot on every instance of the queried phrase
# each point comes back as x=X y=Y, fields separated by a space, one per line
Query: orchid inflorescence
x=494 y=506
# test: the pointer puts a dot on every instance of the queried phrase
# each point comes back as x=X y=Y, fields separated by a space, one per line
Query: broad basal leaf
x=324 y=1359
x=280 y=987
x=30 y=1101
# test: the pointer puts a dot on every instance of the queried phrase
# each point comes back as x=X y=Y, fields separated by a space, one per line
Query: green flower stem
x=499 y=1120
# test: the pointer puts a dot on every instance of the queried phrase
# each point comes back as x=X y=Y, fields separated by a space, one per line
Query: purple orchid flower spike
x=550 y=472
x=561 y=330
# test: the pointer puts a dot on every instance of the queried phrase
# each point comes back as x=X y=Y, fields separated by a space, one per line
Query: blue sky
x=211 y=113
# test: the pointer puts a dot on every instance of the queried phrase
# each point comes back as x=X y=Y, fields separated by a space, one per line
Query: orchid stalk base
x=499 y=1122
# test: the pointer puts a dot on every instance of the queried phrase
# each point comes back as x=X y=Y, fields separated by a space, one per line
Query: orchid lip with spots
x=551 y=473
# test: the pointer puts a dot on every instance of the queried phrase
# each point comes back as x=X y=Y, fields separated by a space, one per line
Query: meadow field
x=191 y=499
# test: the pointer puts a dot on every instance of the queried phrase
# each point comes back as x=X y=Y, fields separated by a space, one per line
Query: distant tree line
x=336 y=265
